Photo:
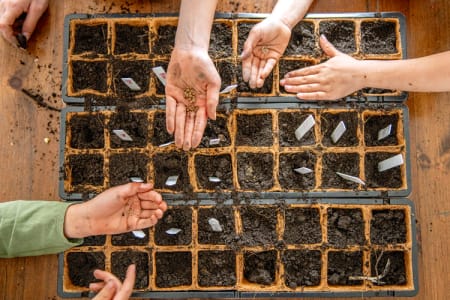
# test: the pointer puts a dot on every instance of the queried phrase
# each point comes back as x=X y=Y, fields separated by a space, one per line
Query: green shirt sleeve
x=29 y=228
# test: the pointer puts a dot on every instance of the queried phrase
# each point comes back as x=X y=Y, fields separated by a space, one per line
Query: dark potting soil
x=302 y=268
x=178 y=218
x=160 y=134
x=288 y=65
x=329 y=121
x=121 y=260
x=388 y=227
x=219 y=166
x=396 y=274
x=160 y=88
x=255 y=170
x=377 y=91
x=86 y=131
x=260 y=267
x=378 y=37
x=342 y=265
x=243 y=31
x=164 y=41
x=131 y=39
x=173 y=269
x=216 y=268
x=347 y=163
x=243 y=87
x=340 y=33
x=81 y=266
x=220 y=45
x=254 y=130
x=123 y=166
x=391 y=178
x=258 y=225
x=128 y=239
x=373 y=124
x=291 y=180
x=91 y=38
x=303 y=41
x=171 y=164
x=216 y=129
x=302 y=226
x=345 y=227
x=96 y=240
x=86 y=169
x=138 y=70
x=289 y=122
x=133 y=123
x=89 y=75
x=227 y=72
x=225 y=217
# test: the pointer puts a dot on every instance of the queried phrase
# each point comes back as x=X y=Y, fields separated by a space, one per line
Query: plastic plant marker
x=306 y=126
x=213 y=142
x=136 y=179
x=139 y=234
x=214 y=179
x=123 y=135
x=166 y=144
x=303 y=170
x=338 y=132
x=173 y=231
x=131 y=84
x=385 y=132
x=215 y=225
x=390 y=163
x=228 y=89
x=172 y=180
x=351 y=178
x=160 y=73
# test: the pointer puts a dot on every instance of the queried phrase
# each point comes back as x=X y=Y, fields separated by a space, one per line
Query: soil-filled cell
x=173 y=269
x=129 y=239
x=243 y=31
x=138 y=71
x=216 y=268
x=303 y=40
x=254 y=130
x=343 y=265
x=218 y=166
x=134 y=124
x=90 y=75
x=291 y=180
x=302 y=268
x=388 y=227
x=210 y=235
x=377 y=91
x=121 y=260
x=372 y=126
x=86 y=131
x=260 y=267
x=302 y=226
x=286 y=66
x=244 y=87
x=378 y=37
x=340 y=33
x=96 y=240
x=227 y=72
x=258 y=225
x=91 y=38
x=346 y=163
x=81 y=266
x=131 y=39
x=392 y=273
x=171 y=164
x=160 y=87
x=288 y=122
x=329 y=122
x=255 y=170
x=216 y=129
x=220 y=44
x=164 y=41
x=160 y=134
x=123 y=166
x=391 y=178
x=175 y=228
x=85 y=169
x=345 y=227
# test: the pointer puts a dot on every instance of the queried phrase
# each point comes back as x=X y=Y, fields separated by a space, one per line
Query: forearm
x=290 y=12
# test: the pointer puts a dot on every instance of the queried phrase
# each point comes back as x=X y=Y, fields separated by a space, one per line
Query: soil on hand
x=329 y=122
x=342 y=265
x=129 y=239
x=176 y=218
x=345 y=227
x=258 y=225
x=218 y=166
x=121 y=260
x=288 y=123
x=89 y=75
x=227 y=72
x=123 y=166
x=396 y=271
x=131 y=39
x=302 y=268
x=133 y=123
x=173 y=269
x=165 y=40
x=216 y=268
x=255 y=171
x=81 y=267
x=220 y=45
x=339 y=33
x=137 y=70
x=391 y=178
x=291 y=180
x=216 y=129
x=388 y=227
x=260 y=267
x=171 y=164
x=85 y=169
x=160 y=134
x=346 y=163
x=91 y=39
x=206 y=234
x=288 y=65
x=86 y=131
x=373 y=124
x=378 y=37
x=254 y=130
x=302 y=226
x=303 y=41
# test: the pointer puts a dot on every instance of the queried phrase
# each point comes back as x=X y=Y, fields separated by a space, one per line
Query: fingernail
x=26 y=35
x=322 y=36
x=282 y=81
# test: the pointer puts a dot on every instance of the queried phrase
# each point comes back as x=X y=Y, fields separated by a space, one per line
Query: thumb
x=327 y=47
x=107 y=292
x=248 y=46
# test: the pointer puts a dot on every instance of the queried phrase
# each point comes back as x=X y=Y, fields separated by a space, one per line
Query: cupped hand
x=110 y=287
x=265 y=44
x=192 y=95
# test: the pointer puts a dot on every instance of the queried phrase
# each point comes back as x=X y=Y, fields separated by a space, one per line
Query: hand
x=111 y=287
x=119 y=209
x=265 y=44
x=10 y=10
x=338 y=77
x=190 y=71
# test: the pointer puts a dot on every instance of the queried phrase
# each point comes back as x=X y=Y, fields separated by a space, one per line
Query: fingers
x=150 y=196
x=180 y=124
x=254 y=72
x=107 y=292
x=171 y=107
x=199 y=128
x=247 y=58
x=314 y=96
x=327 y=47
x=7 y=19
x=270 y=63
x=299 y=80
x=305 y=88
x=188 y=131
x=128 y=284
x=35 y=11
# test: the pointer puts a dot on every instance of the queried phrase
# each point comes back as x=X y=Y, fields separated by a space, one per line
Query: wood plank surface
x=29 y=166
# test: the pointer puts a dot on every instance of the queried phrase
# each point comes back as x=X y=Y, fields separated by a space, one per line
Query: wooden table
x=29 y=165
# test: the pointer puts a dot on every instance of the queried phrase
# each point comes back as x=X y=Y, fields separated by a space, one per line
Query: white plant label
x=136 y=179
x=385 y=132
x=338 y=132
x=139 y=234
x=303 y=170
x=161 y=74
x=351 y=178
x=214 y=179
x=131 y=84
x=123 y=135
x=228 y=89
x=215 y=225
x=172 y=180
x=166 y=144
x=173 y=231
x=390 y=163
x=306 y=126
x=213 y=142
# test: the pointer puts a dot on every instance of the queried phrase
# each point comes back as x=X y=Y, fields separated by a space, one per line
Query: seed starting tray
x=283 y=234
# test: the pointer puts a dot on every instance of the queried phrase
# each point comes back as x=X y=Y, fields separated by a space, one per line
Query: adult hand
x=110 y=286
x=338 y=77
x=192 y=95
x=265 y=44
x=10 y=10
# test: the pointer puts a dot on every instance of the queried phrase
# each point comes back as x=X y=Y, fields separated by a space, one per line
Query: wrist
x=76 y=225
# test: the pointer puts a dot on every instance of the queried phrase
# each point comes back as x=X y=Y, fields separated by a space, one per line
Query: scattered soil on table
x=258 y=225
x=373 y=124
x=123 y=166
x=340 y=33
x=91 y=38
x=391 y=178
x=254 y=130
x=341 y=265
x=81 y=267
x=164 y=41
x=214 y=166
x=121 y=260
x=131 y=39
x=388 y=227
x=302 y=226
x=160 y=134
x=171 y=164
x=288 y=65
x=89 y=75
x=347 y=163
x=139 y=71
x=216 y=268
x=303 y=41
x=378 y=37
x=227 y=72
x=329 y=121
x=345 y=227
x=396 y=274
x=96 y=240
x=302 y=268
x=128 y=239
x=173 y=269
x=180 y=218
x=86 y=132
x=255 y=170
x=160 y=88
x=291 y=180
x=288 y=123
x=220 y=45
x=85 y=169
x=260 y=267
x=133 y=123
x=216 y=129
x=225 y=216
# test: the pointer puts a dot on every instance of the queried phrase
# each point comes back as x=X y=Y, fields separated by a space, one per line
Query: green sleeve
x=29 y=228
